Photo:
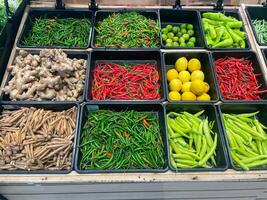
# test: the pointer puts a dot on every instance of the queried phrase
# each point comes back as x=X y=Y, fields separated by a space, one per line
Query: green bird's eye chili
x=247 y=140
x=192 y=141
x=121 y=140
x=127 y=30
x=69 y=32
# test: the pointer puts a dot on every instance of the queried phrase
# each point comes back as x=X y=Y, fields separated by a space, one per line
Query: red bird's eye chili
x=115 y=82
x=237 y=80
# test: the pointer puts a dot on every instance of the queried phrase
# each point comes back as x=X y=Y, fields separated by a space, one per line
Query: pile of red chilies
x=237 y=80
x=116 y=82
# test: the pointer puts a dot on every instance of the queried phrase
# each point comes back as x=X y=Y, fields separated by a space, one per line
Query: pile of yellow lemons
x=186 y=81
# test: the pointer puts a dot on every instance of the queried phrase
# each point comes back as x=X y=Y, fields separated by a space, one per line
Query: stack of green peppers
x=222 y=31
x=192 y=141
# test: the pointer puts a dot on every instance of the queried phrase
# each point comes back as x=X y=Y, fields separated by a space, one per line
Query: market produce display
x=127 y=30
x=68 y=32
x=125 y=82
x=51 y=75
x=247 y=139
x=3 y=15
x=192 y=141
x=187 y=79
x=121 y=140
x=222 y=31
x=36 y=139
x=237 y=80
x=181 y=35
x=260 y=26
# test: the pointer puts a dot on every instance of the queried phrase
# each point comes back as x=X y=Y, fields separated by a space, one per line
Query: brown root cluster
x=36 y=139
x=51 y=75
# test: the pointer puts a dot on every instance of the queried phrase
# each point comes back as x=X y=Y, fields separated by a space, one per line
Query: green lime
x=170 y=35
x=175 y=44
x=183 y=31
x=190 y=27
x=175 y=39
x=169 y=40
x=185 y=36
x=190 y=32
x=164 y=37
x=182 y=44
x=169 y=44
x=179 y=34
x=190 y=44
x=181 y=40
x=175 y=29
x=183 y=26
x=169 y=27
x=165 y=31
x=192 y=39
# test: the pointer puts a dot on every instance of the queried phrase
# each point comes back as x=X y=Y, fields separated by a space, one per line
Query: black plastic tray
x=233 y=108
x=71 y=54
x=264 y=52
x=256 y=13
x=232 y=13
x=211 y=113
x=46 y=106
x=255 y=63
x=124 y=57
x=102 y=14
x=48 y=13
x=206 y=66
x=148 y=107
x=174 y=17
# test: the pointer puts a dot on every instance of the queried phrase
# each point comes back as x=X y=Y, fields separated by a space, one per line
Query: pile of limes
x=181 y=35
x=186 y=81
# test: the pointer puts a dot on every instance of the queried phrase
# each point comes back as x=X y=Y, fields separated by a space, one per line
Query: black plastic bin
x=51 y=13
x=156 y=109
x=102 y=14
x=71 y=54
x=169 y=60
x=176 y=17
x=264 y=53
x=46 y=106
x=256 y=13
x=255 y=63
x=211 y=113
x=231 y=13
x=241 y=108
x=125 y=57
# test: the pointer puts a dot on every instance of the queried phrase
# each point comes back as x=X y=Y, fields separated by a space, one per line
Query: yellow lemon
x=204 y=97
x=174 y=96
x=181 y=64
x=194 y=64
x=198 y=87
x=207 y=87
x=186 y=87
x=172 y=74
x=197 y=75
x=188 y=96
x=175 y=85
x=184 y=76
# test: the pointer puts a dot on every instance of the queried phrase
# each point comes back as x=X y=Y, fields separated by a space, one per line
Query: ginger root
x=51 y=75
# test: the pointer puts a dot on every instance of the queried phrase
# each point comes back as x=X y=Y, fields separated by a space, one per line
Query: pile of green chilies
x=247 y=140
x=127 y=30
x=69 y=32
x=3 y=16
x=121 y=140
x=260 y=27
x=192 y=141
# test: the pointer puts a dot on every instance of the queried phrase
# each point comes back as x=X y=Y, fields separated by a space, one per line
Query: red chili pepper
x=52 y=20
x=49 y=27
x=109 y=155
x=146 y=123
x=237 y=80
x=115 y=82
